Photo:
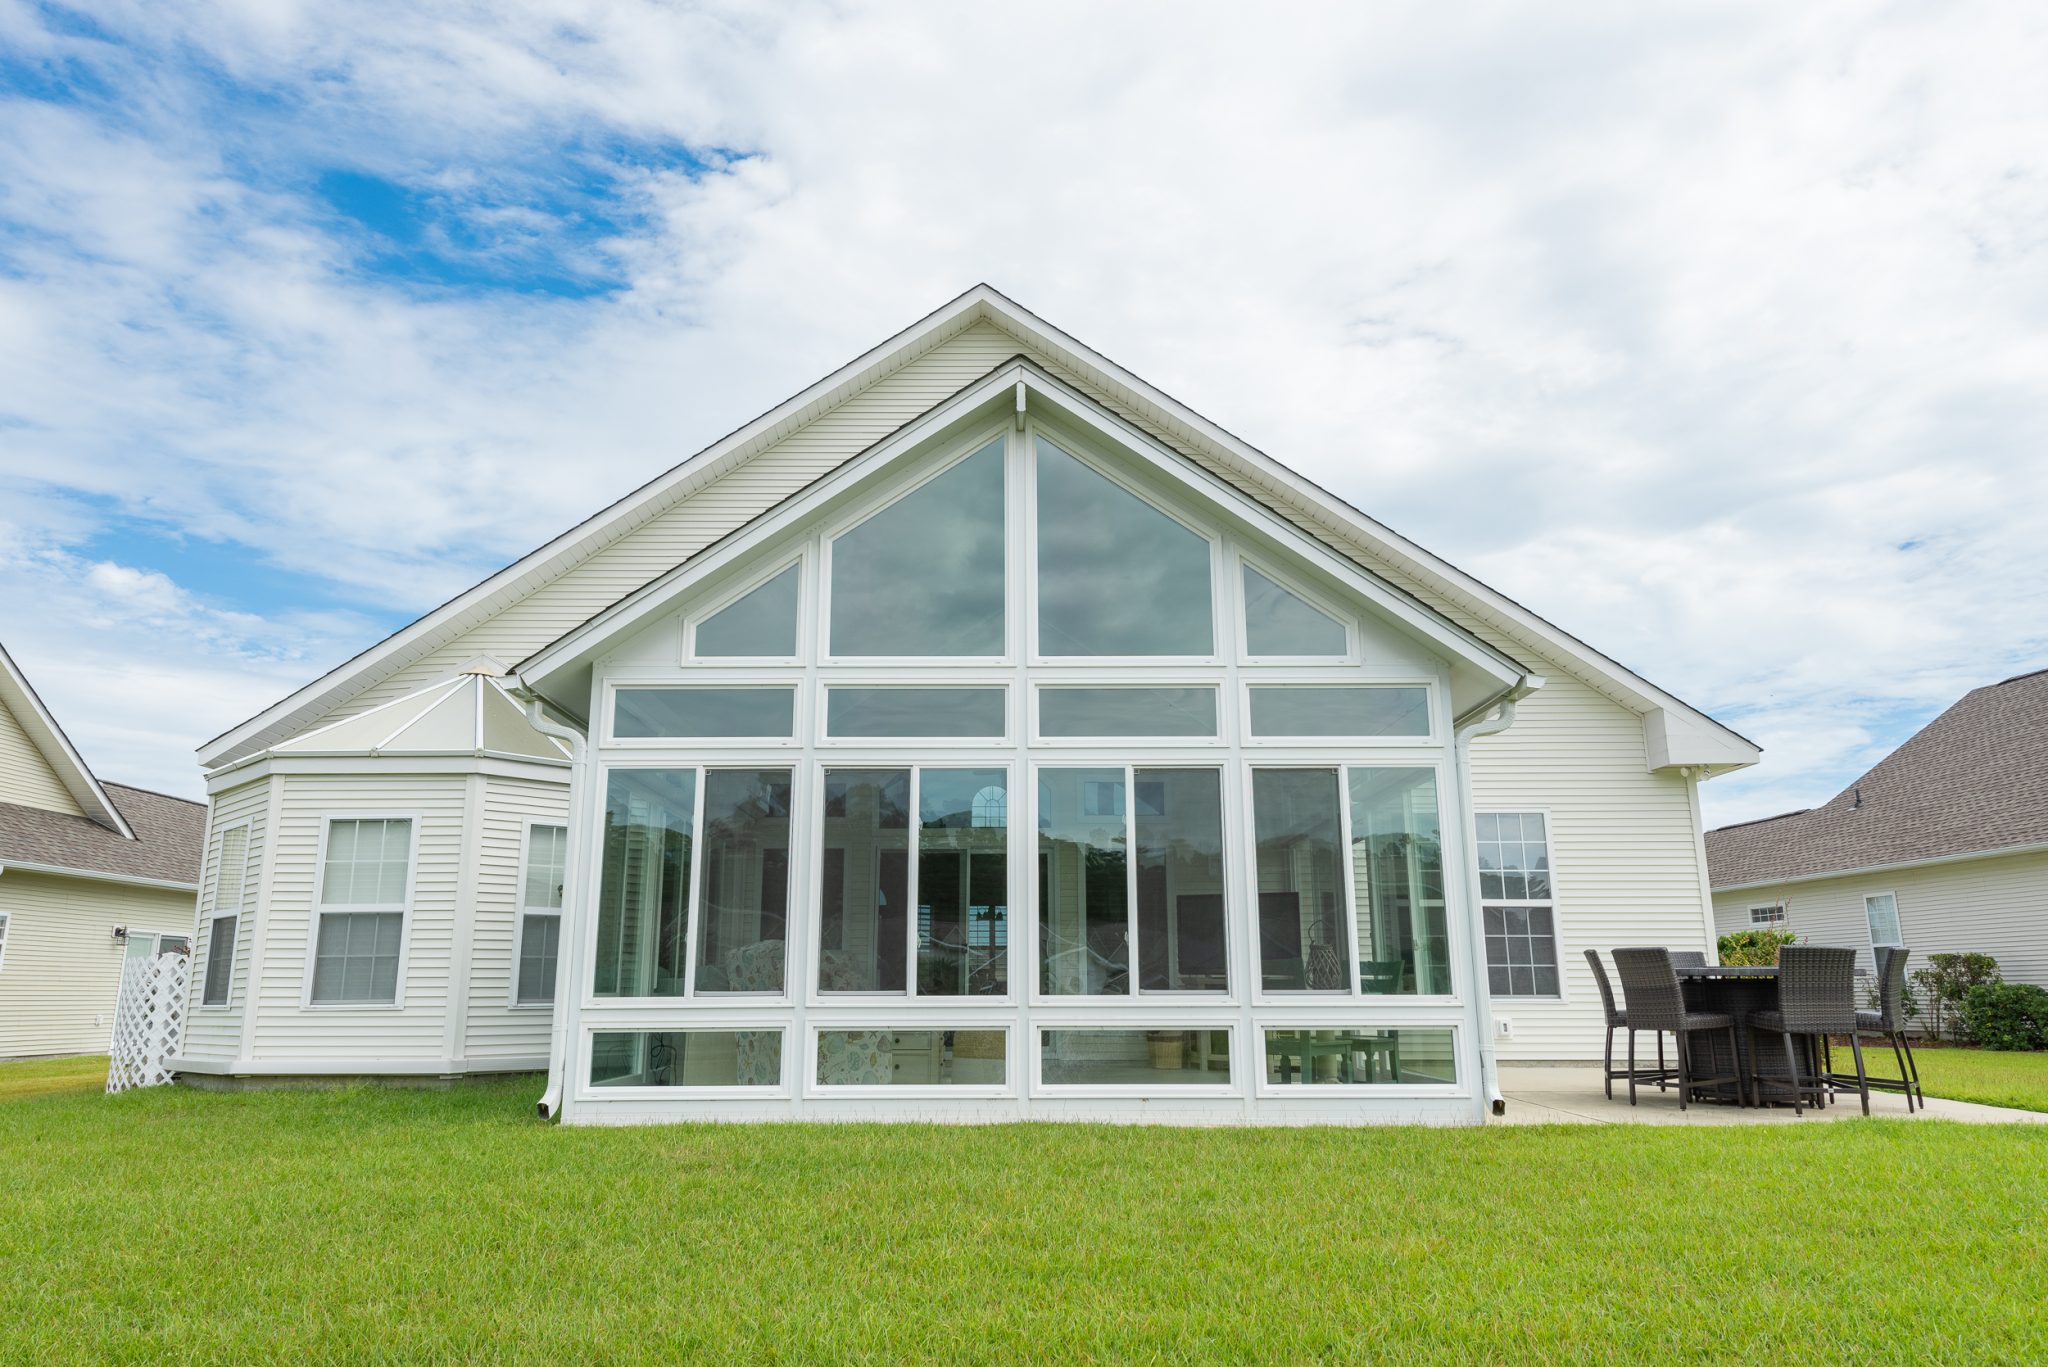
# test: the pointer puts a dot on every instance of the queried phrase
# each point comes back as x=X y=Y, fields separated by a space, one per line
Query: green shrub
x=1946 y=981
x=2006 y=1016
x=1755 y=948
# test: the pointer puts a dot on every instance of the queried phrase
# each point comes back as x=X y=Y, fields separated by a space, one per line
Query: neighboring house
x=980 y=733
x=90 y=874
x=1943 y=847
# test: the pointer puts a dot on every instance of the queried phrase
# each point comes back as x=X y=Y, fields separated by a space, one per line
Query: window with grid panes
x=1518 y=904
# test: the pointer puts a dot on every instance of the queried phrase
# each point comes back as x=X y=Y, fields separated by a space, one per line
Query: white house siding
x=497 y=1030
x=1996 y=905
x=26 y=778
x=61 y=968
x=215 y=1032
x=1623 y=850
x=286 y=1030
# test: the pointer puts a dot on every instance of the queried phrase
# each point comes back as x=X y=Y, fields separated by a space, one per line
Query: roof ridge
x=153 y=792
x=2030 y=674
x=1760 y=820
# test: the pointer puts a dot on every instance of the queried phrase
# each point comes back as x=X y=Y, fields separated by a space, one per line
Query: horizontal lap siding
x=1622 y=849
x=1997 y=905
x=62 y=967
x=216 y=1031
x=26 y=778
x=495 y=1029
x=285 y=1029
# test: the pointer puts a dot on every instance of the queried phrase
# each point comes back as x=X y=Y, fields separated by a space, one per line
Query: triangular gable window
x=1115 y=575
x=760 y=624
x=1278 y=621
x=924 y=576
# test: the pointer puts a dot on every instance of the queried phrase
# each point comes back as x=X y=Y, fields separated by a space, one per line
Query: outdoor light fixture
x=120 y=934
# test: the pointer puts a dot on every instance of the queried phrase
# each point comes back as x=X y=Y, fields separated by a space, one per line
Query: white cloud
x=1675 y=324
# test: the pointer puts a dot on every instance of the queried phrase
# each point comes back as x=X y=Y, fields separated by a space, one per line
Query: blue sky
x=1712 y=333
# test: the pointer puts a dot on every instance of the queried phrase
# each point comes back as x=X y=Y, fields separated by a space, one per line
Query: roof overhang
x=1897 y=866
x=97 y=876
x=56 y=748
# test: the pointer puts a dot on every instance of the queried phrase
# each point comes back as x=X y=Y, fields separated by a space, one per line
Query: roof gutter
x=550 y=1103
x=101 y=876
x=1861 y=870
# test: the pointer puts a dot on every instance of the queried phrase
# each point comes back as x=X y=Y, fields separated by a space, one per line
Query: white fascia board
x=98 y=876
x=1678 y=738
x=491 y=764
x=578 y=647
x=1864 y=870
x=56 y=747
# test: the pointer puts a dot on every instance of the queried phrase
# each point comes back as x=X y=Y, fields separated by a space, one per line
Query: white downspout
x=1490 y=723
x=550 y=1103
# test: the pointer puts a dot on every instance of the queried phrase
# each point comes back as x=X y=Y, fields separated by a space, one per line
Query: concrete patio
x=1572 y=1094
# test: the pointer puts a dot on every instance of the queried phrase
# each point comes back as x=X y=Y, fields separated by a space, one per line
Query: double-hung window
x=364 y=889
x=540 y=915
x=1772 y=915
x=230 y=887
x=1881 y=910
x=3 y=940
x=1519 y=904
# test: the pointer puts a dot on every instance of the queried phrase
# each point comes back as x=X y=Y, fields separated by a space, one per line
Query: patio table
x=1737 y=990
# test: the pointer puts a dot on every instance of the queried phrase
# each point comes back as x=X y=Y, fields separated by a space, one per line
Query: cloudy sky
x=1714 y=333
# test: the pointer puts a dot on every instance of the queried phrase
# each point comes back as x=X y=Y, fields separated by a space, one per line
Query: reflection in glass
x=1342 y=711
x=911 y=1058
x=1083 y=896
x=1178 y=817
x=1278 y=621
x=760 y=624
x=1135 y=1058
x=924 y=576
x=914 y=712
x=963 y=882
x=704 y=712
x=1350 y=1056
x=1115 y=575
x=863 y=918
x=745 y=896
x=1514 y=856
x=1397 y=866
x=643 y=897
x=686 y=1058
x=1126 y=711
x=1301 y=888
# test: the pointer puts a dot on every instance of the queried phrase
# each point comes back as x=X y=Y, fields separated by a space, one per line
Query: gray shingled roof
x=169 y=832
x=1975 y=779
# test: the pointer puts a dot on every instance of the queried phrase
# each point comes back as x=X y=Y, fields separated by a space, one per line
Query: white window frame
x=1555 y=904
x=1267 y=1090
x=1125 y=1023
x=1215 y=680
x=522 y=911
x=743 y=680
x=720 y=1023
x=1898 y=922
x=6 y=924
x=822 y=1023
x=895 y=679
x=1775 y=915
x=698 y=616
x=1341 y=677
x=214 y=913
x=1353 y=635
x=404 y=908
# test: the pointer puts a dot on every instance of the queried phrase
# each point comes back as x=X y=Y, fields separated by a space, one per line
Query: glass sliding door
x=643 y=901
x=1397 y=872
x=1177 y=820
x=963 y=882
x=745 y=893
x=1083 y=883
x=865 y=902
x=1302 y=912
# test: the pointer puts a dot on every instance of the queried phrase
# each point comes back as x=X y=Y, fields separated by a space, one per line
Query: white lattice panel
x=149 y=1020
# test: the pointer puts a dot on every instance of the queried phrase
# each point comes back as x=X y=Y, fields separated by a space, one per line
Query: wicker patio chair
x=1653 y=1000
x=1688 y=958
x=1817 y=997
x=1617 y=1019
x=1889 y=1023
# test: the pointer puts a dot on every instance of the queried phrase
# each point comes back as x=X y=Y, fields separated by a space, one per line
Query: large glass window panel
x=1177 y=816
x=911 y=1058
x=686 y=1058
x=1301 y=887
x=759 y=624
x=1083 y=893
x=863 y=923
x=1361 y=1056
x=366 y=862
x=355 y=959
x=1116 y=576
x=1126 y=711
x=1345 y=710
x=745 y=893
x=914 y=712
x=1135 y=1058
x=220 y=962
x=704 y=713
x=963 y=882
x=924 y=576
x=1278 y=621
x=1397 y=867
x=1881 y=910
x=643 y=898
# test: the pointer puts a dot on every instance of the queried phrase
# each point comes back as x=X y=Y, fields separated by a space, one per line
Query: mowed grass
x=387 y=1225
x=44 y=1076
x=1996 y=1079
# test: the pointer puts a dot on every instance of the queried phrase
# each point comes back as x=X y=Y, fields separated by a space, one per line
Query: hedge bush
x=2006 y=1016
x=1754 y=948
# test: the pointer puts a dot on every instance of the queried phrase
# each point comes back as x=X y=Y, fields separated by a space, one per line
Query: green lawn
x=402 y=1225
x=44 y=1076
x=1995 y=1079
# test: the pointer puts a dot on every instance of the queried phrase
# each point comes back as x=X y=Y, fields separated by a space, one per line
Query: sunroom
x=1020 y=768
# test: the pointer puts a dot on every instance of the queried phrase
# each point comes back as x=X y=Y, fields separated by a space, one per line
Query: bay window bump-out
x=362 y=895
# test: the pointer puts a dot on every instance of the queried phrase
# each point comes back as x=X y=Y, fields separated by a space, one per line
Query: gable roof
x=1679 y=733
x=19 y=698
x=1972 y=781
x=169 y=833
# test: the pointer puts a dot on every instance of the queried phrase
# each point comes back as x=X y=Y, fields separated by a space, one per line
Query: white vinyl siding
x=497 y=1029
x=230 y=886
x=26 y=778
x=63 y=964
x=215 y=1032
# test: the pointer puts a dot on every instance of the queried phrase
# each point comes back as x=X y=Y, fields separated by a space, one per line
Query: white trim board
x=19 y=697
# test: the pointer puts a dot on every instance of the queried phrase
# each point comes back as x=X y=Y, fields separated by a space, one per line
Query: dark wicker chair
x=1653 y=1000
x=1617 y=1019
x=1888 y=1022
x=1688 y=958
x=1816 y=997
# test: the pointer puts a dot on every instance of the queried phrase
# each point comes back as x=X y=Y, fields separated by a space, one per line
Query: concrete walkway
x=1572 y=1094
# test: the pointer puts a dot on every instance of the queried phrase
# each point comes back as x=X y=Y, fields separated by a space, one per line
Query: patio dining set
x=1756 y=1036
